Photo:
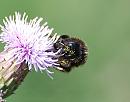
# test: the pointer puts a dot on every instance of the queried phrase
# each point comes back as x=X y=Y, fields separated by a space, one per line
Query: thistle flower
x=28 y=45
x=29 y=41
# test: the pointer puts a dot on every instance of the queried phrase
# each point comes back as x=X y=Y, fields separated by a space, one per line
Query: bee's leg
x=59 y=68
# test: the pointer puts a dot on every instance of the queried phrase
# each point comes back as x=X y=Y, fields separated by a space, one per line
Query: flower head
x=29 y=41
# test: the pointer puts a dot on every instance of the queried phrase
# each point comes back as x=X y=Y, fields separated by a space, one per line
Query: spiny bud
x=11 y=73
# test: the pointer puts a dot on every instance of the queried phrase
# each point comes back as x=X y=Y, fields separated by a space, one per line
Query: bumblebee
x=73 y=53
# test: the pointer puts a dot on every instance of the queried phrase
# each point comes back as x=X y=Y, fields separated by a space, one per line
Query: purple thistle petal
x=29 y=41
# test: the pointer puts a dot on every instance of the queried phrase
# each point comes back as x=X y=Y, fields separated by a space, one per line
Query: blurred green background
x=105 y=26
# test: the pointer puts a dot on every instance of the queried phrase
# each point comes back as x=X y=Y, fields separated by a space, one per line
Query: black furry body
x=73 y=52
